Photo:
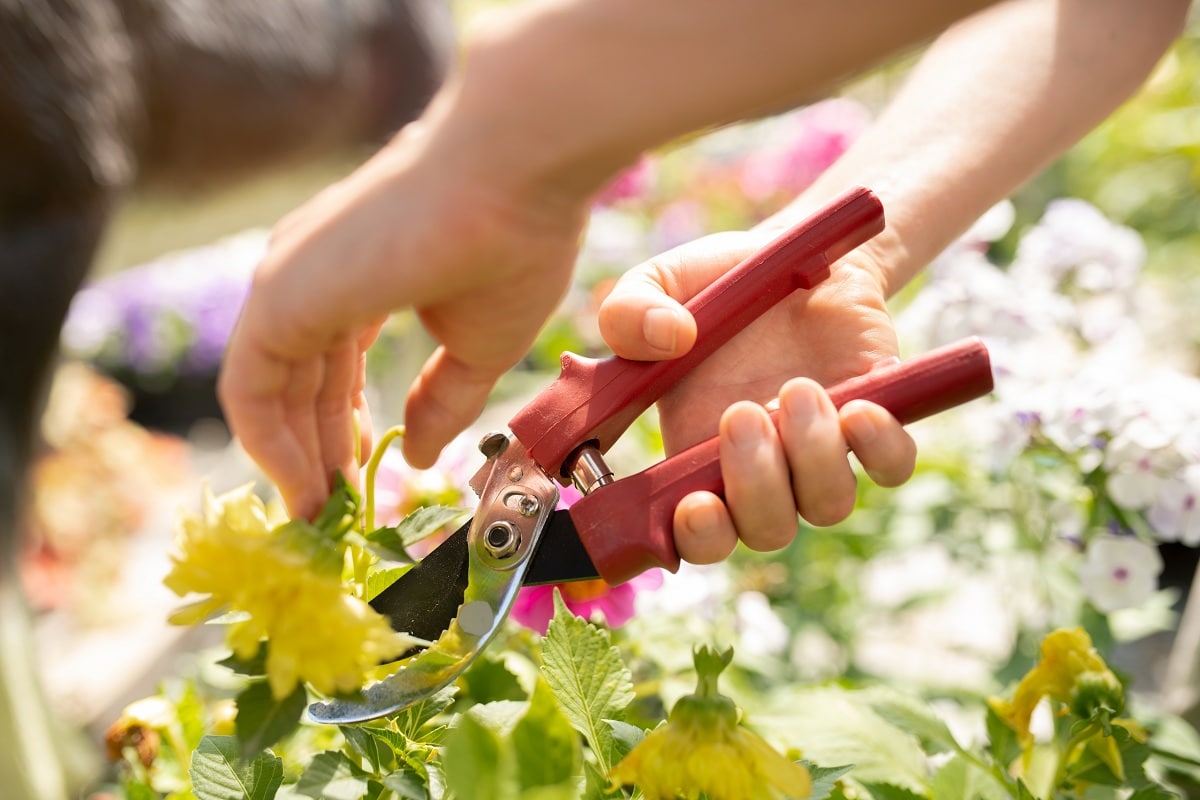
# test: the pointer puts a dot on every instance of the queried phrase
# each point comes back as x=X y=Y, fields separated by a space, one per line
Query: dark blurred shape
x=97 y=96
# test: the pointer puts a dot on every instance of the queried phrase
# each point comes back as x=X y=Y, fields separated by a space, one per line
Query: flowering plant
x=168 y=319
x=982 y=631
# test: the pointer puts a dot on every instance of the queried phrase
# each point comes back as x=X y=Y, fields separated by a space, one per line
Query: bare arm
x=993 y=101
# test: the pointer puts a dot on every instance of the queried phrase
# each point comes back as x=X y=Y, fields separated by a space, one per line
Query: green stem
x=372 y=466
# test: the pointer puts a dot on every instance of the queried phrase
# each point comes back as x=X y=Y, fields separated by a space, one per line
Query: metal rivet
x=516 y=473
x=501 y=539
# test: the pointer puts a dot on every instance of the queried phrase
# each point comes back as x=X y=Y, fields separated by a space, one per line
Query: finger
x=886 y=451
x=301 y=419
x=643 y=318
x=251 y=389
x=334 y=410
x=822 y=478
x=443 y=401
x=704 y=531
x=758 y=487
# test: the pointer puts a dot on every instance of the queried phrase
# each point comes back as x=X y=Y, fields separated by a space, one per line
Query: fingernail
x=661 y=329
x=702 y=521
x=745 y=430
x=862 y=428
x=800 y=406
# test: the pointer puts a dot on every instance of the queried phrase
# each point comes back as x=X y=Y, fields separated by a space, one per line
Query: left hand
x=813 y=339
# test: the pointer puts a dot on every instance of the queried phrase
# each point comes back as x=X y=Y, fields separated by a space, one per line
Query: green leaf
x=959 y=778
x=890 y=791
x=137 y=790
x=219 y=773
x=1153 y=793
x=625 y=737
x=1002 y=740
x=488 y=680
x=263 y=720
x=255 y=666
x=380 y=579
x=406 y=785
x=588 y=677
x=377 y=746
x=476 y=763
x=831 y=725
x=413 y=720
x=340 y=512
x=911 y=715
x=546 y=746
x=824 y=779
x=392 y=542
x=332 y=776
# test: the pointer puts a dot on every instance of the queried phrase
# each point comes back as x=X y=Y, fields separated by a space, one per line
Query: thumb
x=643 y=318
x=444 y=400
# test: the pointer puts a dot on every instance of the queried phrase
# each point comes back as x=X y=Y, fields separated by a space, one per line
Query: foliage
x=883 y=654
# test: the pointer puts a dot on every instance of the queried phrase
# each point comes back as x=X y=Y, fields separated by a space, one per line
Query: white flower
x=1140 y=460
x=1175 y=514
x=1075 y=246
x=762 y=631
x=1119 y=572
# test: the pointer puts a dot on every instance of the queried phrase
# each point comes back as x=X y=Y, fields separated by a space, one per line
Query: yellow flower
x=285 y=583
x=702 y=748
x=1070 y=672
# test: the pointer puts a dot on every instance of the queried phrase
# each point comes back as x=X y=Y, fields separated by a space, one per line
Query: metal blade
x=560 y=556
x=424 y=600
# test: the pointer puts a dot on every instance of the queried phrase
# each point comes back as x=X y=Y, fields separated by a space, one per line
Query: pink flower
x=802 y=146
x=592 y=600
x=401 y=490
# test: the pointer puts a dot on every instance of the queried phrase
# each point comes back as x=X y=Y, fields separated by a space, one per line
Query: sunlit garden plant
x=971 y=634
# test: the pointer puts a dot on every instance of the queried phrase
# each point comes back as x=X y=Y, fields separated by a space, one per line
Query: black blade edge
x=424 y=600
x=560 y=556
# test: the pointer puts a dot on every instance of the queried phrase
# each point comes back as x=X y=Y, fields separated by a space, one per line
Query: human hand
x=812 y=339
x=482 y=261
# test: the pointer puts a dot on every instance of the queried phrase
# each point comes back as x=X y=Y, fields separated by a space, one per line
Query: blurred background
x=918 y=586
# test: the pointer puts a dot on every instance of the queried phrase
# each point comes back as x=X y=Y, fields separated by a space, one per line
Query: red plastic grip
x=597 y=400
x=627 y=526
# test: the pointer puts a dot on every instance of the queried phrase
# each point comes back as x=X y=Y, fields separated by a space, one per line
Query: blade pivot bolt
x=502 y=539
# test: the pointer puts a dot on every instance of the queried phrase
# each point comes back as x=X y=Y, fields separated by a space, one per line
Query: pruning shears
x=458 y=596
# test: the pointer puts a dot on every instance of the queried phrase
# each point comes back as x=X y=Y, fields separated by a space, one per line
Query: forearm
x=993 y=101
x=569 y=91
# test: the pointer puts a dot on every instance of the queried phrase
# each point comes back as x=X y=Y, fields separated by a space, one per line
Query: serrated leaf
x=913 y=716
x=332 y=776
x=588 y=677
x=824 y=779
x=263 y=720
x=831 y=725
x=477 y=765
x=546 y=746
x=381 y=579
x=377 y=746
x=392 y=542
x=219 y=773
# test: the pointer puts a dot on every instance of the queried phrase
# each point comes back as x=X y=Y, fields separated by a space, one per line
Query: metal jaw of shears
x=458 y=595
x=516 y=498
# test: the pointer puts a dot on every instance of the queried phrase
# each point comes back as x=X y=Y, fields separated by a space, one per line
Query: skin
x=452 y=223
x=940 y=155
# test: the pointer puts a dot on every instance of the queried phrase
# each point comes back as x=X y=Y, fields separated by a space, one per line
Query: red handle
x=597 y=400
x=627 y=526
